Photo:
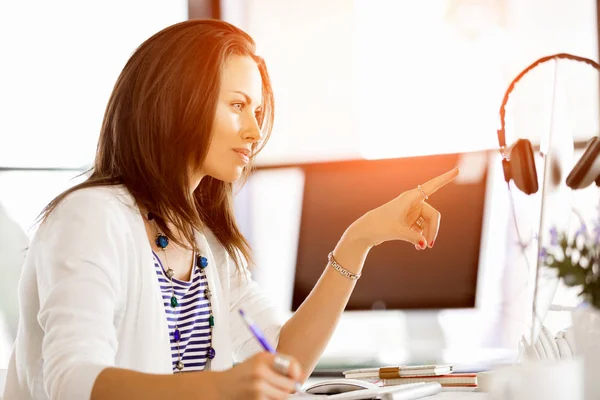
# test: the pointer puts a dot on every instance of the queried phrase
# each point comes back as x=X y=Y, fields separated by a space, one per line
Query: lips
x=243 y=151
x=244 y=154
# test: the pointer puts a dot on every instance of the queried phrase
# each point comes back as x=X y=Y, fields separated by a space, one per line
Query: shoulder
x=105 y=201
x=100 y=196
x=98 y=208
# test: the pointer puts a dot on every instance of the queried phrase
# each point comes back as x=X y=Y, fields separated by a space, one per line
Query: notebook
x=401 y=392
x=398 y=371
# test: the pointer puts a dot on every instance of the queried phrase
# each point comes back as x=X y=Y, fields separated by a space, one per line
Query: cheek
x=224 y=132
x=225 y=121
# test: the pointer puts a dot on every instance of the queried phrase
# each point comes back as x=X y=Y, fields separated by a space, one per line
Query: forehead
x=240 y=73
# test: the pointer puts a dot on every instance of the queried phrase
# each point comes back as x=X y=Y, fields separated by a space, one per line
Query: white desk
x=460 y=396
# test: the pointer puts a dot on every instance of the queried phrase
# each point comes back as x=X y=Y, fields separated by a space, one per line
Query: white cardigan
x=89 y=299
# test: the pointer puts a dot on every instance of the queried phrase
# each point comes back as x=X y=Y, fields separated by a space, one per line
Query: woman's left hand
x=408 y=217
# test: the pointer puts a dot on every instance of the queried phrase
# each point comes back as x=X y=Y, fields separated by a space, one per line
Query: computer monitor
x=293 y=216
x=395 y=276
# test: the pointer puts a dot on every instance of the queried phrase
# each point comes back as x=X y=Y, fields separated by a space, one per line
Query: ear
x=519 y=165
x=587 y=169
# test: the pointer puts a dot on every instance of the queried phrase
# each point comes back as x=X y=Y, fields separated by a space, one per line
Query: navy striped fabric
x=191 y=317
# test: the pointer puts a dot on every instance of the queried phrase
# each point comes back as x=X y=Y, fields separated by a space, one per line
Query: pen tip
x=241 y=311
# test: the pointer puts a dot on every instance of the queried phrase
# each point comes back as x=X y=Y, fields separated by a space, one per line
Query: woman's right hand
x=256 y=378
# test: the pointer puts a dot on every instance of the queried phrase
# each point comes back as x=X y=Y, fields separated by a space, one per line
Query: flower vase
x=586 y=327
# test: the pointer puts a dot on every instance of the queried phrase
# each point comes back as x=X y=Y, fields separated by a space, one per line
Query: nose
x=251 y=131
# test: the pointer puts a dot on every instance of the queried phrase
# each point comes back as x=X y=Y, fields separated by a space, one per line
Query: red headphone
x=517 y=160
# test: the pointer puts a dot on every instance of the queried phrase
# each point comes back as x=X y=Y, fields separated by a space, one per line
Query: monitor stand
x=425 y=337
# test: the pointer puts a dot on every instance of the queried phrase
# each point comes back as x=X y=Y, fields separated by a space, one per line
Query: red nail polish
x=431 y=245
x=421 y=244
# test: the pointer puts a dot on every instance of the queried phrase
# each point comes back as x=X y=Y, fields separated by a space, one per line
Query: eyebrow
x=248 y=99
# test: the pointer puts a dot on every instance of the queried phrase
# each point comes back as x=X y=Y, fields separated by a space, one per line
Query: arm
x=306 y=334
x=255 y=378
x=76 y=255
x=78 y=258
x=79 y=265
x=117 y=384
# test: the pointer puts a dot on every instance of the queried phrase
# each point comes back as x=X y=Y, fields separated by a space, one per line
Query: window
x=59 y=67
x=399 y=78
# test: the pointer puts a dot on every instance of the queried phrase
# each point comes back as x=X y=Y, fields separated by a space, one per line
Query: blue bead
x=211 y=353
x=177 y=335
x=162 y=241
x=201 y=262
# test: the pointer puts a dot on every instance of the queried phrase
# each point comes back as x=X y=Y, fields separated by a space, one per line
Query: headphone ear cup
x=587 y=169
x=519 y=165
x=506 y=170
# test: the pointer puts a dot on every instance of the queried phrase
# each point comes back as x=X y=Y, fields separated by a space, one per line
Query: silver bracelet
x=341 y=269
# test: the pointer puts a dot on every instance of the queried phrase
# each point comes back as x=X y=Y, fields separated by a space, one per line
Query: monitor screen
x=395 y=275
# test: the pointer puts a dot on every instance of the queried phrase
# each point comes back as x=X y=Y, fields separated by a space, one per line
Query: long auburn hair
x=158 y=123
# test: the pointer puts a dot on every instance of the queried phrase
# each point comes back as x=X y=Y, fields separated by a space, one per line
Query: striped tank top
x=191 y=317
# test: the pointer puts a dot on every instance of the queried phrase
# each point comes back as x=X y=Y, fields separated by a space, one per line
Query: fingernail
x=431 y=245
x=422 y=244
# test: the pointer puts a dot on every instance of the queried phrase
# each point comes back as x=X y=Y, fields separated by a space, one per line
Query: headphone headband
x=501 y=132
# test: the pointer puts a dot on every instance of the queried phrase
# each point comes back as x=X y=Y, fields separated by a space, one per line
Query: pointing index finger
x=431 y=186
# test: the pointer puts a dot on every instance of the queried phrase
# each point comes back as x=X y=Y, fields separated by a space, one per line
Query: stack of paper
x=400 y=375
x=398 y=372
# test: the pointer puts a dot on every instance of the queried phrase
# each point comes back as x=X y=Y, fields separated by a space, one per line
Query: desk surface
x=460 y=396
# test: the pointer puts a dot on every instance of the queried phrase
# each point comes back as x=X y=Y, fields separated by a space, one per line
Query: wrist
x=351 y=251
x=355 y=237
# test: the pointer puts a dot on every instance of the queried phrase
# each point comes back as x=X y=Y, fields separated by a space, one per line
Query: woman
x=136 y=275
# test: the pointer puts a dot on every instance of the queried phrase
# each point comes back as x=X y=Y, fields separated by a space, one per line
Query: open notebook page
x=400 y=392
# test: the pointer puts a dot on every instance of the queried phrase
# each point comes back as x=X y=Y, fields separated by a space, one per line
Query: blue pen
x=259 y=335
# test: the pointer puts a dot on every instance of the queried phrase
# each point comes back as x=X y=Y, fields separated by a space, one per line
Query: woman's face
x=235 y=127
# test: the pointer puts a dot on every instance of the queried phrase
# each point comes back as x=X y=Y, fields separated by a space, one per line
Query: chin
x=229 y=176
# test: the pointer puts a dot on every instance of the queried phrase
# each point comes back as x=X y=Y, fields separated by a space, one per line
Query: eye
x=239 y=106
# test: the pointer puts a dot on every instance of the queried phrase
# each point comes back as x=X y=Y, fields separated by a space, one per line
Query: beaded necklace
x=201 y=262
